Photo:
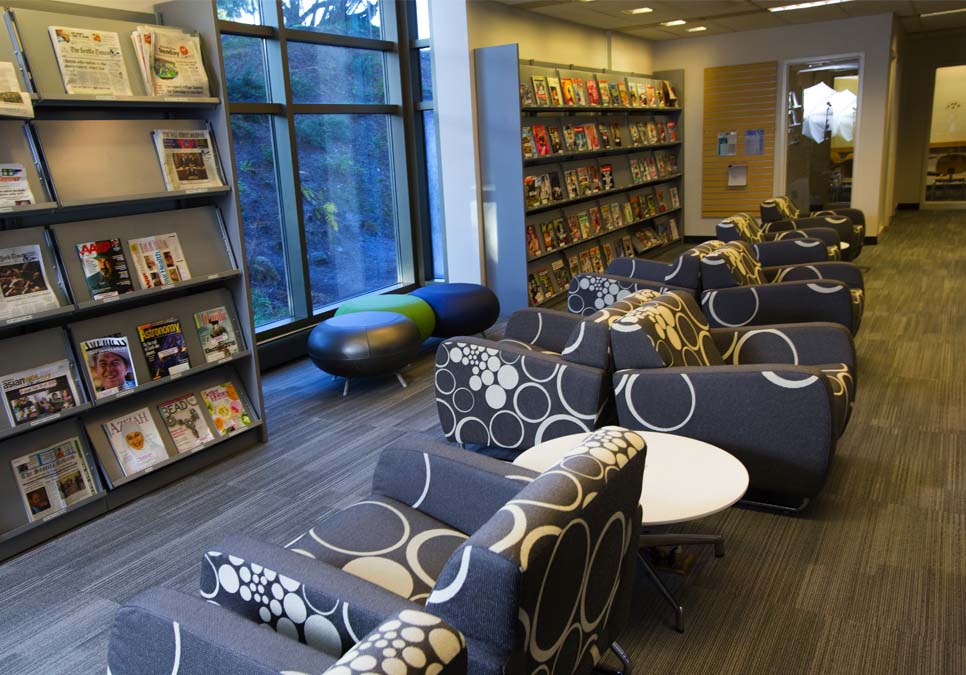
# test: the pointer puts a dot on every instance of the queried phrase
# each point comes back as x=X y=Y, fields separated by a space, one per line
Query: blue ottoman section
x=364 y=343
x=461 y=309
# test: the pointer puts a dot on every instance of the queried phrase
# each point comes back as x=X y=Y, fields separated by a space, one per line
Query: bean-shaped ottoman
x=407 y=305
x=461 y=309
x=364 y=343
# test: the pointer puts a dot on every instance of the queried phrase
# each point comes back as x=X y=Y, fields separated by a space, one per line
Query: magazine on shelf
x=606 y=217
x=637 y=175
x=543 y=277
x=556 y=189
x=635 y=134
x=569 y=140
x=53 y=479
x=609 y=254
x=651 y=95
x=584 y=221
x=622 y=92
x=633 y=94
x=526 y=142
x=109 y=364
x=672 y=224
x=540 y=141
x=159 y=260
x=531 y=192
x=533 y=290
x=616 y=99
x=596 y=226
x=581 y=143
x=24 y=288
x=675 y=198
x=186 y=423
x=226 y=409
x=556 y=142
x=594 y=173
x=37 y=392
x=590 y=130
x=606 y=177
x=544 y=188
x=90 y=61
x=604 y=136
x=596 y=260
x=554 y=91
x=216 y=332
x=526 y=95
x=573 y=229
x=661 y=131
x=560 y=274
x=585 y=263
x=533 y=244
x=164 y=348
x=105 y=268
x=560 y=231
x=136 y=442
x=540 y=90
x=14 y=186
x=670 y=97
x=580 y=91
x=628 y=246
x=549 y=241
x=573 y=265
x=593 y=94
x=652 y=136
x=661 y=165
x=567 y=86
x=170 y=62
x=13 y=101
x=651 y=166
x=583 y=181
x=573 y=183
x=603 y=87
x=615 y=213
x=672 y=131
x=637 y=207
x=187 y=159
x=661 y=202
x=627 y=212
x=651 y=205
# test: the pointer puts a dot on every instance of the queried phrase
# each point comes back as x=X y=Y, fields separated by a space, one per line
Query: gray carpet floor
x=871 y=580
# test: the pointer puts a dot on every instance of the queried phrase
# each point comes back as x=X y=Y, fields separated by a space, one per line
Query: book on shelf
x=170 y=62
x=560 y=232
x=583 y=181
x=216 y=333
x=628 y=213
x=560 y=275
x=573 y=183
x=24 y=288
x=573 y=229
x=596 y=261
x=540 y=140
x=533 y=244
x=54 y=478
x=90 y=61
x=554 y=91
x=159 y=260
x=672 y=131
x=105 y=268
x=593 y=142
x=652 y=136
x=109 y=364
x=14 y=186
x=37 y=392
x=226 y=408
x=586 y=265
x=546 y=285
x=573 y=265
x=609 y=254
x=187 y=159
x=13 y=101
x=635 y=134
x=531 y=191
x=556 y=142
x=540 y=90
x=185 y=422
x=526 y=95
x=567 y=86
x=580 y=91
x=136 y=442
x=604 y=136
x=651 y=95
x=594 y=172
x=584 y=220
x=549 y=238
x=596 y=225
x=616 y=98
x=527 y=144
x=593 y=94
x=581 y=143
x=164 y=348
x=604 y=88
x=533 y=290
x=616 y=214
x=675 y=198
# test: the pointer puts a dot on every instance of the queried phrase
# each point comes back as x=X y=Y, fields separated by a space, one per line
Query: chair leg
x=678 y=609
x=670 y=539
x=621 y=655
x=345 y=388
x=780 y=508
x=402 y=380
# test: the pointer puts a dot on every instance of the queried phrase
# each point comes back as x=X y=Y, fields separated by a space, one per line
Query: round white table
x=684 y=479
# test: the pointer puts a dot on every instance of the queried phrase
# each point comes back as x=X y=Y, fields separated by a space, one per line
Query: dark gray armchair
x=786 y=247
x=780 y=214
x=776 y=397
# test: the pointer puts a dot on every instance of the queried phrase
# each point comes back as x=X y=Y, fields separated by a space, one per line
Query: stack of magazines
x=170 y=61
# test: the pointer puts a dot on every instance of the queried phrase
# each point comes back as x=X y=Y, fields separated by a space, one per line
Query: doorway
x=946 y=159
x=821 y=130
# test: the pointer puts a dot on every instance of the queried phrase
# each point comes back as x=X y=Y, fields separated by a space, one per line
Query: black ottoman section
x=364 y=343
x=461 y=309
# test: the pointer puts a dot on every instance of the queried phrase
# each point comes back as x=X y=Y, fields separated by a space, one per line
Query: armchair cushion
x=731 y=265
x=591 y=292
x=788 y=302
x=838 y=271
x=740 y=226
x=560 y=333
x=815 y=343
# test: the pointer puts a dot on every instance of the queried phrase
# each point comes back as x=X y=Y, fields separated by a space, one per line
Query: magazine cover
x=556 y=142
x=593 y=95
x=531 y=191
x=549 y=243
x=187 y=159
x=13 y=101
x=580 y=139
x=540 y=90
x=560 y=231
x=603 y=85
x=615 y=95
x=672 y=131
x=585 y=264
x=573 y=184
x=615 y=134
x=226 y=409
x=606 y=217
x=533 y=289
x=573 y=264
x=569 y=139
x=186 y=423
x=526 y=142
x=533 y=244
x=37 y=392
x=544 y=189
x=635 y=134
x=584 y=222
x=543 y=276
x=164 y=348
x=136 y=441
x=596 y=225
x=573 y=227
x=675 y=198
x=23 y=282
x=628 y=213
x=604 y=136
x=567 y=85
x=556 y=189
x=560 y=274
x=608 y=253
x=615 y=212
x=105 y=268
x=590 y=130
x=583 y=180
x=540 y=140
x=109 y=364
x=14 y=186
x=526 y=95
x=606 y=177
x=553 y=88
x=158 y=260
x=54 y=478
x=633 y=92
x=90 y=61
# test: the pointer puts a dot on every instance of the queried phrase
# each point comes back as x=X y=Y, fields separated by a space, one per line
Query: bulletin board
x=739 y=100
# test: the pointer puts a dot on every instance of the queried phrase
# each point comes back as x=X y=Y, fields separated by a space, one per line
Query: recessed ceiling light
x=639 y=10
x=945 y=11
x=697 y=29
x=805 y=5
x=676 y=22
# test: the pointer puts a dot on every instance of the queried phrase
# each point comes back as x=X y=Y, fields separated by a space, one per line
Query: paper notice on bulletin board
x=754 y=141
x=737 y=175
x=727 y=143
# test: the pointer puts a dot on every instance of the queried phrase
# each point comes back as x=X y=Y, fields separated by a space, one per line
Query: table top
x=684 y=479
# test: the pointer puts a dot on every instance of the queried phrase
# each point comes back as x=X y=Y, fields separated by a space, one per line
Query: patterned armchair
x=549 y=377
x=776 y=397
x=740 y=292
x=443 y=546
x=781 y=214
x=787 y=247
x=590 y=292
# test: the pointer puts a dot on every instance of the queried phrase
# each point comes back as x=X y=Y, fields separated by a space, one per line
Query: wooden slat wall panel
x=737 y=98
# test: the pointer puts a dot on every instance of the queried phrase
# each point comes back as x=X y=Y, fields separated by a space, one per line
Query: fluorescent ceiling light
x=805 y=5
x=676 y=22
x=697 y=29
x=945 y=11
x=639 y=10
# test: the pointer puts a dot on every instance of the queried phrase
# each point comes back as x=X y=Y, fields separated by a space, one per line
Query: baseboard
x=281 y=350
x=871 y=241
x=907 y=206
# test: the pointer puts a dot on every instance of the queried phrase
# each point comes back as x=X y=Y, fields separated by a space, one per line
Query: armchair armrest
x=531 y=395
x=788 y=302
x=290 y=588
x=809 y=344
x=544 y=328
x=776 y=419
x=845 y=272
x=778 y=226
x=462 y=489
x=591 y=292
x=841 y=224
x=644 y=269
x=791 y=251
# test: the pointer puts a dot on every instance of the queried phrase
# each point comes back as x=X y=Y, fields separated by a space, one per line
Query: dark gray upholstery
x=849 y=223
x=779 y=405
x=779 y=248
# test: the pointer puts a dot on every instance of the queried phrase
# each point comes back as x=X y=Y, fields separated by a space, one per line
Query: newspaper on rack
x=13 y=101
x=170 y=62
x=37 y=392
x=14 y=187
x=24 y=288
x=90 y=61
x=52 y=479
x=187 y=159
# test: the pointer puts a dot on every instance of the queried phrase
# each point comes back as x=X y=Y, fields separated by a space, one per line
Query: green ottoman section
x=415 y=308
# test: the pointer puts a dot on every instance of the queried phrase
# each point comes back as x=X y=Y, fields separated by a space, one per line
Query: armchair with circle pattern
x=739 y=291
x=787 y=247
x=776 y=397
x=780 y=214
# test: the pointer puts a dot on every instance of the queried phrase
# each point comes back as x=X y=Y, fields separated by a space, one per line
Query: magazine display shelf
x=96 y=175
x=501 y=117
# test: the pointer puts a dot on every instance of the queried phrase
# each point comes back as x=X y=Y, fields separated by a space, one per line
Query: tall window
x=321 y=107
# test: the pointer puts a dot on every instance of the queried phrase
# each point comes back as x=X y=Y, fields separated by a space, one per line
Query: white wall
x=869 y=36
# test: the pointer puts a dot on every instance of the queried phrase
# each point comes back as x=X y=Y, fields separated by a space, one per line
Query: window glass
x=422 y=19
x=432 y=184
x=240 y=11
x=357 y=18
x=345 y=165
x=256 y=175
x=327 y=74
x=245 y=78
x=426 y=74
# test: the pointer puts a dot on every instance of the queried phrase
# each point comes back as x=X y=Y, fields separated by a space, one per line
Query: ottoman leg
x=345 y=389
x=402 y=380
